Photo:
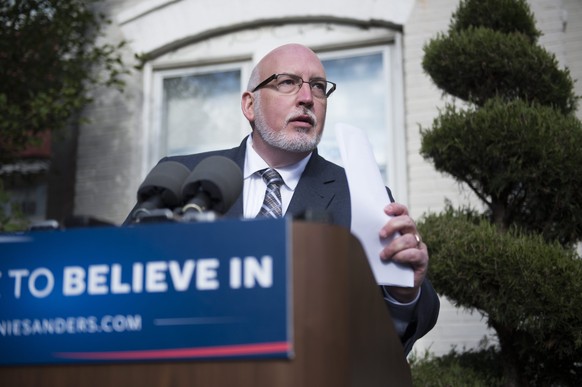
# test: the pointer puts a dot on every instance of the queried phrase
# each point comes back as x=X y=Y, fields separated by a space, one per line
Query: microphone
x=161 y=188
x=214 y=185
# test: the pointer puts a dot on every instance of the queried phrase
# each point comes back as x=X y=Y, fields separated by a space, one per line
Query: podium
x=342 y=333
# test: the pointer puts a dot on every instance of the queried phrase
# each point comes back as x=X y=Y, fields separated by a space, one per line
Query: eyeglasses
x=291 y=84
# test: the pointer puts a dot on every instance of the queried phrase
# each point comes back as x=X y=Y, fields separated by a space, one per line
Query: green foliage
x=48 y=61
x=520 y=159
x=477 y=64
x=506 y=16
x=516 y=144
x=505 y=274
x=480 y=368
x=529 y=289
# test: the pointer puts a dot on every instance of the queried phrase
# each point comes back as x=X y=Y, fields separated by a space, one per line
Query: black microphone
x=214 y=185
x=162 y=188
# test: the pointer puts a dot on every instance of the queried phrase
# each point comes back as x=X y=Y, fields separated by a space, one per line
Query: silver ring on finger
x=418 y=240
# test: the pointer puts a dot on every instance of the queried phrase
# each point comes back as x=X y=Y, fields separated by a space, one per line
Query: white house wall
x=110 y=163
x=153 y=24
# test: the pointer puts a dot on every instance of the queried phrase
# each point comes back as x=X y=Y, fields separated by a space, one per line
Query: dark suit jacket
x=323 y=188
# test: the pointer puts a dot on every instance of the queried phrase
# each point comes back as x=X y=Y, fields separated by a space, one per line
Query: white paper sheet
x=368 y=199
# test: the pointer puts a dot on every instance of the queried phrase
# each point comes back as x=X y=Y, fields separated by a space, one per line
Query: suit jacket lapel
x=238 y=156
x=316 y=187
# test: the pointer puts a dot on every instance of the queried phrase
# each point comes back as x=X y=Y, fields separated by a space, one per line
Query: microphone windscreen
x=219 y=178
x=164 y=179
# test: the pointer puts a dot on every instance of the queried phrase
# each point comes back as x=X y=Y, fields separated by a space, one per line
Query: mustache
x=302 y=115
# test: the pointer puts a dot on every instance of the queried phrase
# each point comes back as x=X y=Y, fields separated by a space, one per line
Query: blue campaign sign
x=146 y=292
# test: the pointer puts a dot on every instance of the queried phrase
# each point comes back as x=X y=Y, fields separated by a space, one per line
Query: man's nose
x=305 y=94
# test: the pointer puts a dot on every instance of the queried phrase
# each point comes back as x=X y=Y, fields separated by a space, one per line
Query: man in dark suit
x=285 y=104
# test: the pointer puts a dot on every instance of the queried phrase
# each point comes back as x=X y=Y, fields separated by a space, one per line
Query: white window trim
x=400 y=148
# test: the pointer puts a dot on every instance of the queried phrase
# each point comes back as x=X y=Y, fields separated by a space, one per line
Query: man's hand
x=407 y=249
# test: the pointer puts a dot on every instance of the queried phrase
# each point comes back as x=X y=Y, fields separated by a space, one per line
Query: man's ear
x=248 y=105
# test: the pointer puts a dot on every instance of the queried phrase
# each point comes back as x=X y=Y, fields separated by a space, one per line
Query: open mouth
x=305 y=118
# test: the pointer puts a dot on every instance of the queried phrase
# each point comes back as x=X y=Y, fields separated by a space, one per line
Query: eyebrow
x=297 y=75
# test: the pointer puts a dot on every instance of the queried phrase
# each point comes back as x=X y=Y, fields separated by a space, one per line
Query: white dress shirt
x=254 y=186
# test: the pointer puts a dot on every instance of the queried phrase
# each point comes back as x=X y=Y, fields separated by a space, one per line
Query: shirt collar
x=290 y=174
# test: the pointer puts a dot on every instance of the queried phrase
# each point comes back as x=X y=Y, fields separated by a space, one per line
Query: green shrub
x=478 y=368
x=516 y=144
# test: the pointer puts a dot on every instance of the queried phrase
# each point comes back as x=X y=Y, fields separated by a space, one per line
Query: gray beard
x=298 y=142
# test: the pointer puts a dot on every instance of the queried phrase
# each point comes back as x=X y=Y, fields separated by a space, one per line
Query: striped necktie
x=272 y=205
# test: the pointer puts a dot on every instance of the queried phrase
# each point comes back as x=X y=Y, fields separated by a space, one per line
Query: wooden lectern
x=343 y=334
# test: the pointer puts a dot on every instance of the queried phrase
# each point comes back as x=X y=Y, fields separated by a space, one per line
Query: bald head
x=289 y=58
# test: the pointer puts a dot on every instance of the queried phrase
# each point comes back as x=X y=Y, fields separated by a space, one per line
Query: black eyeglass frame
x=275 y=76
